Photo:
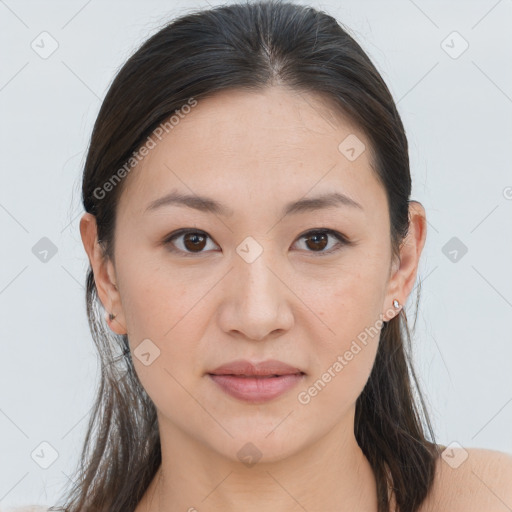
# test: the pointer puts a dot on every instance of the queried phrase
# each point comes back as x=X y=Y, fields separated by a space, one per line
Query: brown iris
x=316 y=243
x=196 y=241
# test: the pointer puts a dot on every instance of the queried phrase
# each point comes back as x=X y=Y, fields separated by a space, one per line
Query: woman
x=252 y=243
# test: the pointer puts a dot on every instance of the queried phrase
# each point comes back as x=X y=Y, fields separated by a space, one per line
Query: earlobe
x=114 y=323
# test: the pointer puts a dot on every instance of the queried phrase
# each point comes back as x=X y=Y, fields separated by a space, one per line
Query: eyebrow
x=209 y=205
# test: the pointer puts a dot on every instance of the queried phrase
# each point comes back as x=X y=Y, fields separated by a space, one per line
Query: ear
x=104 y=274
x=403 y=274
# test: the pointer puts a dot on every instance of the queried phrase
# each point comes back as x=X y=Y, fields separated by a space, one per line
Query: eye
x=194 y=241
x=319 y=239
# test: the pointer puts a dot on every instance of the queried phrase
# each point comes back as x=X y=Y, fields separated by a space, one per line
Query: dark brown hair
x=245 y=46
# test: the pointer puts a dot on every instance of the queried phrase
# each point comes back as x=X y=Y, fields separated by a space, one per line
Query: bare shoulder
x=471 y=480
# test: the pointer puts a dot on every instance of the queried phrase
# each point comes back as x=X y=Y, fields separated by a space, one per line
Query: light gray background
x=457 y=114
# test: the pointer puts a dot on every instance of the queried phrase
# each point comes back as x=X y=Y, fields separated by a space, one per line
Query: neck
x=331 y=473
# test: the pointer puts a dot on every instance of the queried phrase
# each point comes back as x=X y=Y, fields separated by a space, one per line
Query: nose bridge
x=259 y=300
x=258 y=284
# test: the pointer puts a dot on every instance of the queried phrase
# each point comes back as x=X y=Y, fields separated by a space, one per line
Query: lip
x=262 y=368
x=256 y=382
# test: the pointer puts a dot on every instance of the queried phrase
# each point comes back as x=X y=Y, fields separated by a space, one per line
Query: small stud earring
x=396 y=304
x=109 y=316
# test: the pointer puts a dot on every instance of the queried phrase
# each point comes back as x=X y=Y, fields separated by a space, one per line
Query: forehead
x=245 y=147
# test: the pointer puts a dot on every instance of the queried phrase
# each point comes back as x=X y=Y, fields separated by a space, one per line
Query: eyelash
x=342 y=241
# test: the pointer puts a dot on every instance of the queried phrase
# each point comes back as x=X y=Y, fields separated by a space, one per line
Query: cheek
x=155 y=301
x=343 y=366
x=163 y=315
x=350 y=304
x=173 y=359
x=347 y=338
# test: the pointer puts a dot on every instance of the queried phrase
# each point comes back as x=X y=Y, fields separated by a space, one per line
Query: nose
x=256 y=302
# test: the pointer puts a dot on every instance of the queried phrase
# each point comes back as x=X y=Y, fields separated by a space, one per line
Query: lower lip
x=256 y=389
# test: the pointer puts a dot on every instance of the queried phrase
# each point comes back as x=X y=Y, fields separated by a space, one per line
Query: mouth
x=256 y=382
x=256 y=389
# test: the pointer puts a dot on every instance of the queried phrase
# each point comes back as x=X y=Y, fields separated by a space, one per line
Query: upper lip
x=244 y=367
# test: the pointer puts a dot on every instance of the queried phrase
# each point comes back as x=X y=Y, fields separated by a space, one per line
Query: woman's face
x=248 y=282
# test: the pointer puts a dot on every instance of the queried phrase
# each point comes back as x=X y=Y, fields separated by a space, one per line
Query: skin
x=255 y=152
